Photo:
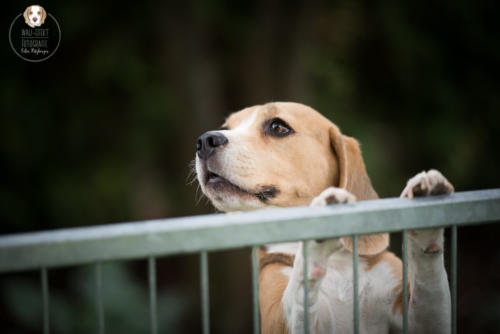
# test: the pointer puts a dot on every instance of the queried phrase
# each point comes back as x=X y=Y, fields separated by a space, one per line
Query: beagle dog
x=287 y=154
x=34 y=16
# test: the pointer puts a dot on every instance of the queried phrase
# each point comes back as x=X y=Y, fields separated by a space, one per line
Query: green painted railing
x=150 y=239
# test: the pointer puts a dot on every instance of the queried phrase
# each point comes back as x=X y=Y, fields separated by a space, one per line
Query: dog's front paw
x=428 y=241
x=319 y=252
x=427 y=183
x=333 y=195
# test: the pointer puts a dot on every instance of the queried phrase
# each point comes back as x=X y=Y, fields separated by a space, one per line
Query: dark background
x=104 y=132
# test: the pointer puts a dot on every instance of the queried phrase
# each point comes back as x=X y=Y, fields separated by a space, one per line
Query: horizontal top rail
x=220 y=231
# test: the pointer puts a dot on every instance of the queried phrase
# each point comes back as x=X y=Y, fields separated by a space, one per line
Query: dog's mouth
x=214 y=179
x=217 y=183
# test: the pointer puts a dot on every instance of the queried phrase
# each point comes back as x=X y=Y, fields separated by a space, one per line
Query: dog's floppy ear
x=353 y=177
x=26 y=15
x=351 y=168
x=44 y=15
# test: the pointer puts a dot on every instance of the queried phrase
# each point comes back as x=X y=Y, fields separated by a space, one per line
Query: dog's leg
x=319 y=252
x=430 y=302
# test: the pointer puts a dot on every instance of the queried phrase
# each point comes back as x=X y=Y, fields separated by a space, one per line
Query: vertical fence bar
x=99 y=304
x=355 y=280
x=454 y=279
x=405 y=282
x=152 y=293
x=255 y=289
x=305 y=255
x=45 y=300
x=205 y=301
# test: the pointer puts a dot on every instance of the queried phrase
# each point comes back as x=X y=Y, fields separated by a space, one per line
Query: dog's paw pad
x=427 y=183
x=420 y=189
x=333 y=195
x=317 y=271
x=319 y=252
x=433 y=248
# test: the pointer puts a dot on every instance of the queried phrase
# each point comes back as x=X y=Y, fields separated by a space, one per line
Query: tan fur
x=272 y=284
x=302 y=165
x=44 y=14
x=270 y=258
x=388 y=257
x=371 y=244
x=398 y=303
x=353 y=178
x=26 y=13
x=286 y=161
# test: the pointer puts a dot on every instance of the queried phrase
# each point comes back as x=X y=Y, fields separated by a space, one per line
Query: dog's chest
x=336 y=299
x=336 y=295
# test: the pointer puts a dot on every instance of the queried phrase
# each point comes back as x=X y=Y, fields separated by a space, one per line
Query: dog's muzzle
x=208 y=142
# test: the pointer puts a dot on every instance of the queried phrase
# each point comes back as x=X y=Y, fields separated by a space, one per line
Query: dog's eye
x=278 y=128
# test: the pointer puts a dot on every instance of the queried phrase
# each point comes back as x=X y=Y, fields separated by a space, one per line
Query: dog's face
x=35 y=16
x=278 y=154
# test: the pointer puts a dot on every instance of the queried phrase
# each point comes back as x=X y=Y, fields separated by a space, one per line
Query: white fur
x=429 y=288
x=235 y=164
x=331 y=296
x=247 y=124
x=331 y=291
x=286 y=247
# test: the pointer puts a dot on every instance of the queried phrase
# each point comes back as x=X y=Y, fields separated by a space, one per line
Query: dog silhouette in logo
x=35 y=16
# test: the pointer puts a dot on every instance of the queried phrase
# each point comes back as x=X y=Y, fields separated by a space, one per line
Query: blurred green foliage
x=104 y=130
x=73 y=307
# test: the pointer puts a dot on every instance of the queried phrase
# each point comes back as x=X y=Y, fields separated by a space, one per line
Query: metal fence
x=150 y=239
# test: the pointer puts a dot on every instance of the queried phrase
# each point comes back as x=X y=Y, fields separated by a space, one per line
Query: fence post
x=205 y=301
x=405 y=281
x=305 y=255
x=454 y=279
x=355 y=280
x=45 y=300
x=255 y=289
x=99 y=304
x=152 y=294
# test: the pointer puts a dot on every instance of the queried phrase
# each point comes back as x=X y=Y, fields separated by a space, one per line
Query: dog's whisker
x=199 y=195
x=190 y=182
x=191 y=177
x=198 y=201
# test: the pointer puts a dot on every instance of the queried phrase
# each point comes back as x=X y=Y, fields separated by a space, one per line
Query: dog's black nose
x=208 y=142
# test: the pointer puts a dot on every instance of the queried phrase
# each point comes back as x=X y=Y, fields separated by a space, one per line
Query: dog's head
x=282 y=154
x=34 y=16
x=278 y=154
